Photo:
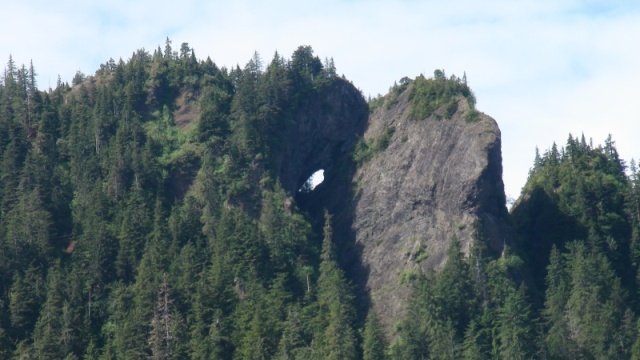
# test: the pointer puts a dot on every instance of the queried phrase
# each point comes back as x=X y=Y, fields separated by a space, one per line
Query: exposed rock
x=325 y=128
x=397 y=213
x=187 y=110
x=434 y=181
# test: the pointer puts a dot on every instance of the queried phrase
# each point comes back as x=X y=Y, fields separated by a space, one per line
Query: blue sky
x=541 y=68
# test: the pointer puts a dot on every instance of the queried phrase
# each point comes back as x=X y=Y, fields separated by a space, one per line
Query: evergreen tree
x=453 y=292
x=411 y=340
x=5 y=342
x=25 y=299
x=558 y=340
x=293 y=342
x=48 y=333
x=336 y=338
x=373 y=343
x=474 y=346
x=516 y=331
x=133 y=228
x=164 y=336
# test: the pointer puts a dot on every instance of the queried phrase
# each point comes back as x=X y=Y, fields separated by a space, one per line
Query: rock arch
x=324 y=129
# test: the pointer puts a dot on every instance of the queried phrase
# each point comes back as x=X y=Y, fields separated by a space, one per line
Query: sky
x=541 y=68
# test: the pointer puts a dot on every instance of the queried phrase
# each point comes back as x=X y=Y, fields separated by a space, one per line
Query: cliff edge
x=437 y=178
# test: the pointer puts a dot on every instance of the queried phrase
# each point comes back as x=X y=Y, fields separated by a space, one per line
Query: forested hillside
x=147 y=211
x=578 y=220
x=142 y=215
x=566 y=288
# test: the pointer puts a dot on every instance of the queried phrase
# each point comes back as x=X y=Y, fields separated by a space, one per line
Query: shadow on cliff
x=335 y=195
x=540 y=224
x=324 y=134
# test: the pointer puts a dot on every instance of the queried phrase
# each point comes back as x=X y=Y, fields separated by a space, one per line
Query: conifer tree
x=557 y=338
x=27 y=293
x=293 y=341
x=336 y=338
x=374 y=345
x=48 y=336
x=516 y=333
x=453 y=292
x=164 y=336
x=5 y=342
x=473 y=346
x=411 y=340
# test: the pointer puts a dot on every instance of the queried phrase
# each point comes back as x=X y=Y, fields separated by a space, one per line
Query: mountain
x=439 y=177
x=161 y=208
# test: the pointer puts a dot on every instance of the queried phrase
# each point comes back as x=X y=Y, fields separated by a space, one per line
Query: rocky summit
x=422 y=182
x=436 y=180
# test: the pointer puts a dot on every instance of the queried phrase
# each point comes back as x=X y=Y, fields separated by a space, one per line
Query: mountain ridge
x=157 y=209
x=436 y=179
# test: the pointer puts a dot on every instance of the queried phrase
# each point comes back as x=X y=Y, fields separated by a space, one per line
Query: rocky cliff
x=436 y=179
x=420 y=183
x=324 y=130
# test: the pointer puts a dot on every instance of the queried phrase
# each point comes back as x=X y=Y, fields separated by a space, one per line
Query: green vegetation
x=471 y=309
x=375 y=102
x=577 y=228
x=428 y=95
x=390 y=99
x=421 y=254
x=472 y=116
x=566 y=289
x=374 y=344
x=366 y=149
x=141 y=217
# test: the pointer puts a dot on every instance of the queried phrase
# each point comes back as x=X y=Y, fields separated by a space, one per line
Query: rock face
x=436 y=179
x=324 y=130
x=395 y=213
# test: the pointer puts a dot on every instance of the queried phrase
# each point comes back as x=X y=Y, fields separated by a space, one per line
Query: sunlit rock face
x=437 y=179
x=395 y=213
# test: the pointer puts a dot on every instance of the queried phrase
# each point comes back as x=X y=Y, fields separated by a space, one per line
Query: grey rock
x=396 y=213
x=436 y=179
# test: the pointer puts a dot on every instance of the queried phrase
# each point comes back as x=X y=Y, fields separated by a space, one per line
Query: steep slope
x=436 y=179
x=324 y=130
x=577 y=193
x=152 y=210
x=577 y=227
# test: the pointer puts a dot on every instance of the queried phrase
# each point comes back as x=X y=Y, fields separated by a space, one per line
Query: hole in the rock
x=314 y=180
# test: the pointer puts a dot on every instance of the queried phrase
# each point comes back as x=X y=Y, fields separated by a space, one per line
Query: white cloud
x=542 y=69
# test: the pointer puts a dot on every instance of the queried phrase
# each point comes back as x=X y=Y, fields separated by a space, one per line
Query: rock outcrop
x=395 y=213
x=437 y=179
x=325 y=128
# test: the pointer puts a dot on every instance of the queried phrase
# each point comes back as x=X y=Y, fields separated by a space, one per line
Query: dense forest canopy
x=141 y=216
x=566 y=288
